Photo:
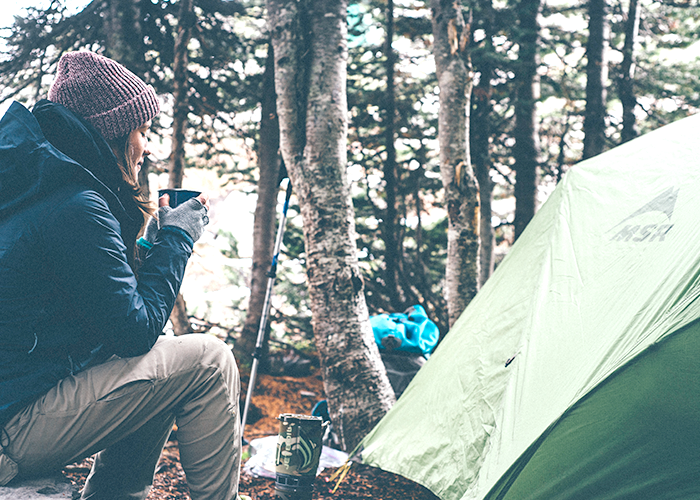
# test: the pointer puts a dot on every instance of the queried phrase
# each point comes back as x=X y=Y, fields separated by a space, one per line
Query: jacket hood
x=79 y=140
x=52 y=147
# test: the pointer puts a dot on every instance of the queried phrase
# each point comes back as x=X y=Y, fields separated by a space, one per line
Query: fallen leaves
x=273 y=396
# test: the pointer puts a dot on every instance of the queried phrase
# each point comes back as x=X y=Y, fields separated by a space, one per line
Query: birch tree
x=451 y=39
x=309 y=41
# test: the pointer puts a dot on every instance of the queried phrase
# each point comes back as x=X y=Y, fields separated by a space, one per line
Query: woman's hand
x=190 y=216
x=204 y=200
x=164 y=200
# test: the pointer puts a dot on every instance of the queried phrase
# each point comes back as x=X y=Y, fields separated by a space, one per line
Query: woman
x=83 y=366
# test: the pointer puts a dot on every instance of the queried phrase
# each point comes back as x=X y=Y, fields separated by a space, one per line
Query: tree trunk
x=125 y=35
x=627 y=96
x=309 y=39
x=179 y=318
x=265 y=207
x=526 y=149
x=393 y=253
x=186 y=22
x=596 y=73
x=180 y=109
x=480 y=128
x=450 y=48
x=125 y=44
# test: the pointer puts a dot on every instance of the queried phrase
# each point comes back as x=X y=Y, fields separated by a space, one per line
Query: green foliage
x=290 y=314
x=293 y=313
x=419 y=183
x=293 y=241
x=231 y=250
x=226 y=60
x=226 y=55
x=666 y=76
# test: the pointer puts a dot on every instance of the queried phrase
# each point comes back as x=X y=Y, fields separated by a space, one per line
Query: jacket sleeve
x=84 y=247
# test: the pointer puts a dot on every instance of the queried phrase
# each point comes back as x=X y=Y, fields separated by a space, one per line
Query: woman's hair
x=120 y=147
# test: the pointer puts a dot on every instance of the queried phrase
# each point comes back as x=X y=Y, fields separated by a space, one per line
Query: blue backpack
x=411 y=331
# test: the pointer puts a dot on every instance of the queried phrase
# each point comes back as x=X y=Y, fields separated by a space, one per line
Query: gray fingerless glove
x=149 y=234
x=190 y=217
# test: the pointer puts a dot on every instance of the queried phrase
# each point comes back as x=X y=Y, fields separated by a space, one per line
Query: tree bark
x=265 y=209
x=393 y=253
x=125 y=35
x=125 y=44
x=526 y=149
x=310 y=44
x=186 y=21
x=627 y=95
x=480 y=144
x=179 y=318
x=450 y=48
x=596 y=73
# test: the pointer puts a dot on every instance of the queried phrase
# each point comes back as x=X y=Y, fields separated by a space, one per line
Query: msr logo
x=650 y=223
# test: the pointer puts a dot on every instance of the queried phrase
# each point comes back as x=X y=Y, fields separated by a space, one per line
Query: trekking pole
x=271 y=274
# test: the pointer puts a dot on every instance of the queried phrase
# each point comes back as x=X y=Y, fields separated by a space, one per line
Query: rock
x=46 y=488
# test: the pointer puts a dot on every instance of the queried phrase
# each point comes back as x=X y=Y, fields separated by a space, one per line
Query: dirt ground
x=273 y=396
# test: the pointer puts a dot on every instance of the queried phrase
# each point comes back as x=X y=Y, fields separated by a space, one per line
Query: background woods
x=420 y=138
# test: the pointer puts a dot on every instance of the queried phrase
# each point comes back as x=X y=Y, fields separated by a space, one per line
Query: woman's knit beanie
x=109 y=96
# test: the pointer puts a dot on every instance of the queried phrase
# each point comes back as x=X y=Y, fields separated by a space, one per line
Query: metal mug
x=178 y=196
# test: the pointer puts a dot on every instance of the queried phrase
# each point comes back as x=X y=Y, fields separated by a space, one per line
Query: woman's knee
x=186 y=352
x=216 y=350
x=217 y=353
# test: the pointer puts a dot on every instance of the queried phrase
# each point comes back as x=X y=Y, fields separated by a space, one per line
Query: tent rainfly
x=575 y=371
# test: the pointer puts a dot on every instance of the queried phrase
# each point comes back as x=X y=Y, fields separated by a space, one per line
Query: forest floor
x=272 y=396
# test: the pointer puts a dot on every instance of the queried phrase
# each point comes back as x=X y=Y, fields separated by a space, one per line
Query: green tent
x=575 y=372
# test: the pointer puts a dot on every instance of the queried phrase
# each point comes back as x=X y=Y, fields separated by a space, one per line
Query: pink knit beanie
x=109 y=96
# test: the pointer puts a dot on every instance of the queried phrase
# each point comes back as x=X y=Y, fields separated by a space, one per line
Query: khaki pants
x=124 y=409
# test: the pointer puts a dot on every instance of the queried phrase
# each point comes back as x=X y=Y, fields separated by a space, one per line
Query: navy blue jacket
x=68 y=294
